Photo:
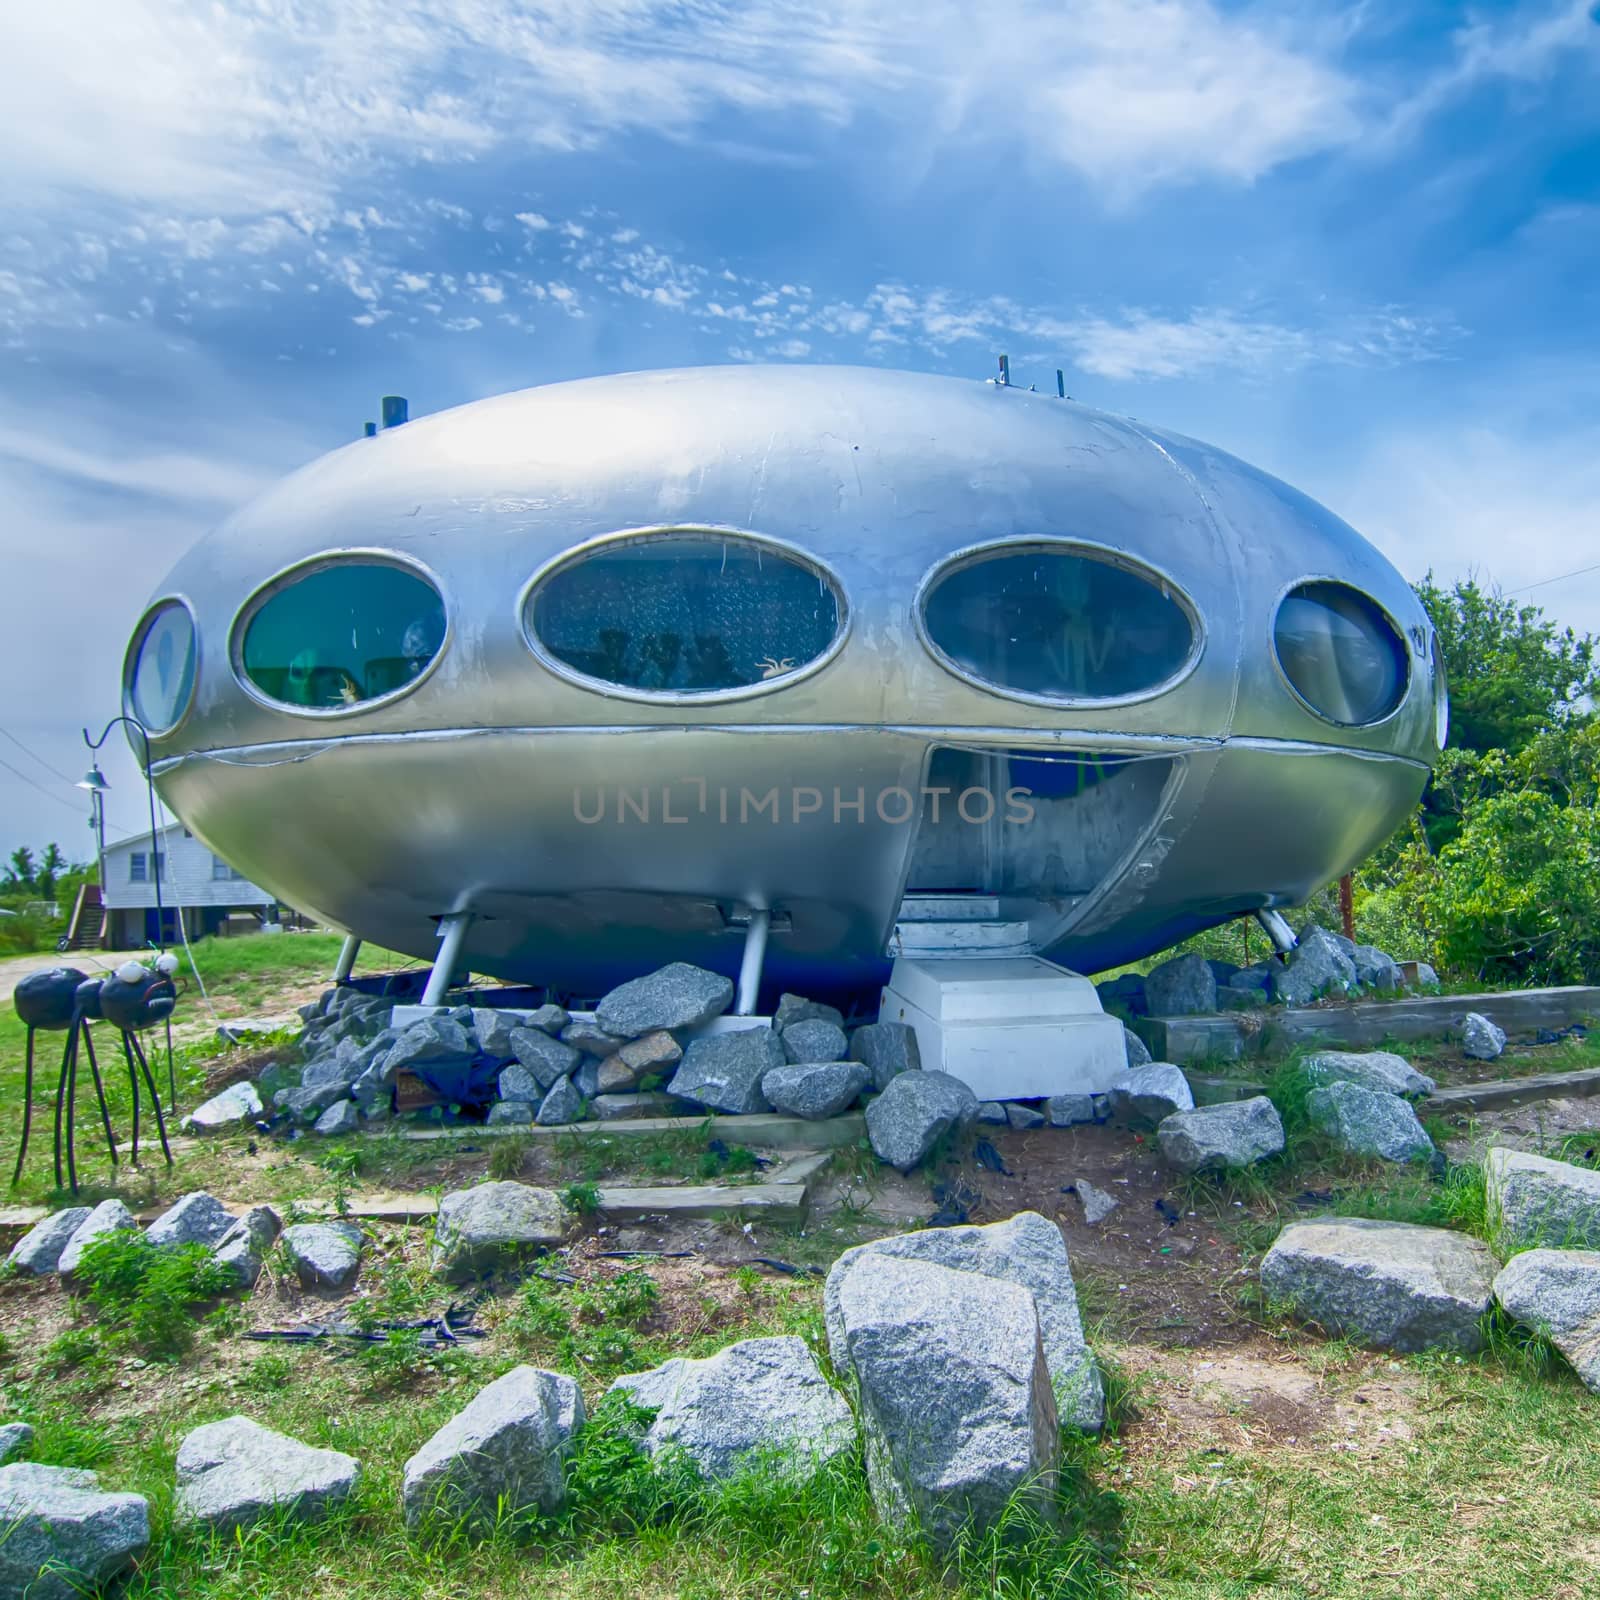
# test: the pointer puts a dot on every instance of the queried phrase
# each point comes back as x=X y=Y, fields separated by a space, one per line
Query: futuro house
x=591 y=673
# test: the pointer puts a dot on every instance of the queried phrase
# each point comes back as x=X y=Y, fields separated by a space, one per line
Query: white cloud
x=289 y=106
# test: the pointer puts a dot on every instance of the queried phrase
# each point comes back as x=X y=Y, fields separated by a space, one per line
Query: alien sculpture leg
x=133 y=1086
x=70 y=1074
x=27 y=1113
x=62 y=1101
x=155 y=1098
x=100 y=1093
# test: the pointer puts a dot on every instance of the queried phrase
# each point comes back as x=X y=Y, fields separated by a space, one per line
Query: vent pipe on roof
x=395 y=410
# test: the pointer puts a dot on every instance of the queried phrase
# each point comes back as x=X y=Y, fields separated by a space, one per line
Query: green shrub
x=145 y=1296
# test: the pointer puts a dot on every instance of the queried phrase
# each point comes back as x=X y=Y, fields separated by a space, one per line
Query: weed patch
x=145 y=1296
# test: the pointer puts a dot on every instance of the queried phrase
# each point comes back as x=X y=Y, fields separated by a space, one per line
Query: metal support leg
x=1278 y=931
x=27 y=1113
x=452 y=935
x=345 y=965
x=755 y=954
x=100 y=1093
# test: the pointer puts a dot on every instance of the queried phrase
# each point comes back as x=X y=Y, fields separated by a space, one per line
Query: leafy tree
x=21 y=875
x=1513 y=673
x=51 y=865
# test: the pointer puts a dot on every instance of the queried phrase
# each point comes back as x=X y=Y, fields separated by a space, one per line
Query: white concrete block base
x=1011 y=1029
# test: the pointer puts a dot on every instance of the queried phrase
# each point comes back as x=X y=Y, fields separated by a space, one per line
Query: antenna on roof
x=1061 y=384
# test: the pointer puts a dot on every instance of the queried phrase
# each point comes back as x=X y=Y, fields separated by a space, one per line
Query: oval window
x=342 y=635
x=1059 y=625
x=161 y=677
x=689 y=613
x=1340 y=653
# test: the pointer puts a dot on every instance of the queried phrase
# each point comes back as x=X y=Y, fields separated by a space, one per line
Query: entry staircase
x=87 y=928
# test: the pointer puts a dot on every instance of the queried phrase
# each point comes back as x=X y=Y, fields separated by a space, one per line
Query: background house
x=195 y=883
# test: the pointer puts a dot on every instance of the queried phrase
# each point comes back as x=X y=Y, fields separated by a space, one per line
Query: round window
x=1340 y=653
x=1059 y=624
x=342 y=634
x=684 y=614
x=161 y=677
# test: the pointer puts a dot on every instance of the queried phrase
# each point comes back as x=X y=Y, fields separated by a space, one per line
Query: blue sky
x=1359 y=245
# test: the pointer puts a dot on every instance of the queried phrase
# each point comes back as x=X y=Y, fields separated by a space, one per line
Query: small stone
x=1380 y=1070
x=814 y=1040
x=339 y=1119
x=502 y=1456
x=38 y=1251
x=1427 y=978
x=1393 y=1285
x=592 y=1040
x=15 y=1437
x=1376 y=971
x=432 y=1041
x=792 y=1008
x=1480 y=1038
x=1318 y=965
x=1152 y=1092
x=197 y=1218
x=1182 y=987
x=110 y=1216
x=492 y=1226
x=547 y=1059
x=761 y=1401
x=63 y=1534
x=1368 y=1123
x=1225 y=1137
x=614 y=1076
x=1021 y=1116
x=1138 y=1052
x=517 y=1083
x=1534 y=1200
x=955 y=1400
x=914 y=1113
x=676 y=996
x=1064 y=1110
x=549 y=1020
x=508 y=1111
x=234 y=1473
x=243 y=1248
x=724 y=1070
x=630 y=1107
x=815 y=1090
x=563 y=1104
x=885 y=1049
x=324 y=1255
x=992 y=1113
x=653 y=1053
x=1557 y=1293
x=307 y=1105
x=1097 y=1204
x=494 y=1029
x=586 y=1080
x=235 y=1106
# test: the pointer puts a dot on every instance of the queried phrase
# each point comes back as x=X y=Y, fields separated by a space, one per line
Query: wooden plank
x=1362 y=1023
x=1516 y=1091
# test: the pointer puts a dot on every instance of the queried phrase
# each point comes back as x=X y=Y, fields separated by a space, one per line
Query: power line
x=1560 y=577
x=54 y=771
x=16 y=773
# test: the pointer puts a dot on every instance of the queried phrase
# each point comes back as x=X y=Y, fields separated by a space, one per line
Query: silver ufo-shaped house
x=597 y=670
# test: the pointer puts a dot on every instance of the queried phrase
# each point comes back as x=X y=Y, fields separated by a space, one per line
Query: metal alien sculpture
x=65 y=1000
x=605 y=674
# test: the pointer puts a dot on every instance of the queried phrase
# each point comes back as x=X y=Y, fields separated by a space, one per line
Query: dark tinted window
x=1058 y=624
x=1341 y=653
x=685 y=613
x=162 y=677
x=343 y=634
